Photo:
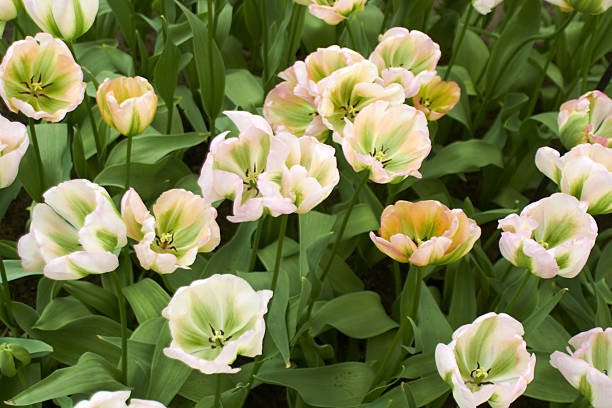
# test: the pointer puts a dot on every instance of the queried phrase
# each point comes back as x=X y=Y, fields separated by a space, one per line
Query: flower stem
x=7 y=296
x=256 y=241
x=211 y=35
x=39 y=163
x=466 y=22
x=398 y=278
x=279 y=252
x=350 y=33
x=123 y=318
x=586 y=65
x=218 y=392
x=330 y=261
x=518 y=292
x=128 y=162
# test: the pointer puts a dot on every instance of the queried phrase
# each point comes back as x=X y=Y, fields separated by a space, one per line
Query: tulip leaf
x=146 y=298
x=244 y=89
x=462 y=157
x=359 y=315
x=90 y=374
x=424 y=391
x=277 y=315
x=463 y=307
x=548 y=383
x=431 y=321
x=15 y=271
x=224 y=260
x=95 y=296
x=314 y=237
x=35 y=348
x=362 y=220
x=123 y=12
x=167 y=72
x=60 y=312
x=339 y=385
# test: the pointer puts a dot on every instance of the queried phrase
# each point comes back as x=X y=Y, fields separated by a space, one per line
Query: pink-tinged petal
x=405 y=78
x=507 y=392
x=29 y=252
x=573 y=369
x=79 y=264
x=205 y=367
x=149 y=259
x=571 y=256
x=601 y=388
x=106 y=399
x=389 y=249
x=135 y=214
x=543 y=263
x=246 y=120
x=14 y=143
x=466 y=398
x=138 y=403
x=548 y=161
x=251 y=210
x=431 y=251
x=326 y=13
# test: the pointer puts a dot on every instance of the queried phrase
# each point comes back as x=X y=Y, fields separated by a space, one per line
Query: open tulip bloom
x=116 y=399
x=406 y=57
x=487 y=361
x=66 y=19
x=587 y=119
x=13 y=145
x=390 y=141
x=585 y=172
x=583 y=6
x=437 y=97
x=425 y=233
x=553 y=236
x=182 y=225
x=589 y=367
x=214 y=320
x=335 y=11
x=77 y=231
x=39 y=77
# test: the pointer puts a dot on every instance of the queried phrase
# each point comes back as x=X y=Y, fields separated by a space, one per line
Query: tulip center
x=545 y=244
x=218 y=338
x=380 y=154
x=479 y=376
x=250 y=179
x=426 y=103
x=350 y=111
x=165 y=240
x=36 y=88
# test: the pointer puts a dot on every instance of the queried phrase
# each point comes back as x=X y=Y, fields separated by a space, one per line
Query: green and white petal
x=9 y=9
x=106 y=399
x=135 y=215
x=139 y=403
x=485 y=6
x=14 y=143
x=80 y=264
x=548 y=161
x=29 y=252
x=74 y=17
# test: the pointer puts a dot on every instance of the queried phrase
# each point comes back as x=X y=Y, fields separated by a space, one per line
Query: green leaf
x=339 y=385
x=548 y=383
x=224 y=260
x=359 y=315
x=90 y=374
x=362 y=219
x=244 y=89
x=60 y=312
x=95 y=296
x=462 y=157
x=167 y=72
x=124 y=14
x=35 y=348
x=149 y=149
x=314 y=236
x=277 y=316
x=147 y=299
x=15 y=271
x=432 y=322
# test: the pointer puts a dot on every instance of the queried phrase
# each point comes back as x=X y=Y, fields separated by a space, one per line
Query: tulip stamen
x=165 y=241
x=250 y=179
x=218 y=338
x=380 y=155
x=479 y=375
x=35 y=88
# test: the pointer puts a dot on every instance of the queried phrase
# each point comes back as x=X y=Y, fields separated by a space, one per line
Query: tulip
x=233 y=166
x=589 y=368
x=553 y=236
x=307 y=176
x=214 y=320
x=587 y=119
x=127 y=104
x=583 y=6
x=391 y=142
x=333 y=12
x=116 y=399
x=485 y=6
x=425 y=233
x=348 y=90
x=13 y=145
x=8 y=11
x=406 y=57
x=183 y=225
x=585 y=173
x=39 y=77
x=436 y=98
x=77 y=231
x=487 y=361
x=66 y=19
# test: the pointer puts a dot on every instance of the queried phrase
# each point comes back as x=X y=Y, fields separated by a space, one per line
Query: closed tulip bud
x=116 y=399
x=10 y=356
x=583 y=6
x=77 y=231
x=487 y=361
x=333 y=12
x=408 y=58
x=485 y=6
x=585 y=172
x=66 y=19
x=127 y=104
x=39 y=77
x=9 y=9
x=182 y=225
x=13 y=145
x=436 y=98
x=214 y=320
x=587 y=119
x=589 y=367
x=425 y=233
x=390 y=142
x=553 y=236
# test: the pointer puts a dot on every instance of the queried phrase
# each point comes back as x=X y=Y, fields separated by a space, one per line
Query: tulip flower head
x=214 y=320
x=127 y=104
x=77 y=231
x=13 y=145
x=39 y=77
x=583 y=6
x=485 y=6
x=425 y=233
x=307 y=176
x=348 y=90
x=391 y=142
x=589 y=367
x=406 y=57
x=182 y=225
x=233 y=167
x=66 y=19
x=487 y=361
x=587 y=119
x=333 y=11
x=553 y=236
x=8 y=10
x=436 y=98
x=117 y=399
x=585 y=172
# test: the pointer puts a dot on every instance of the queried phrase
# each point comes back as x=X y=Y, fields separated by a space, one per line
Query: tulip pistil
x=250 y=179
x=380 y=154
x=164 y=242
x=35 y=88
x=218 y=339
x=479 y=375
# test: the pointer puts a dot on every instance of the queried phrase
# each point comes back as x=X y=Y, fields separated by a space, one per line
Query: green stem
x=459 y=42
x=211 y=36
x=6 y=292
x=128 y=162
x=350 y=33
x=123 y=319
x=256 y=241
x=397 y=278
x=39 y=163
x=330 y=261
x=518 y=292
x=218 y=392
x=265 y=49
x=586 y=66
x=279 y=252
x=167 y=283
x=170 y=117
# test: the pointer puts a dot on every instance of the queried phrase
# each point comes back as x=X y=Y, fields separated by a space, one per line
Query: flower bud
x=583 y=6
x=587 y=119
x=436 y=98
x=333 y=12
x=127 y=104
x=66 y=19
x=485 y=6
x=13 y=145
x=9 y=9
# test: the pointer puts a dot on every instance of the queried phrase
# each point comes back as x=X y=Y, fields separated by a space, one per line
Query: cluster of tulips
x=377 y=110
